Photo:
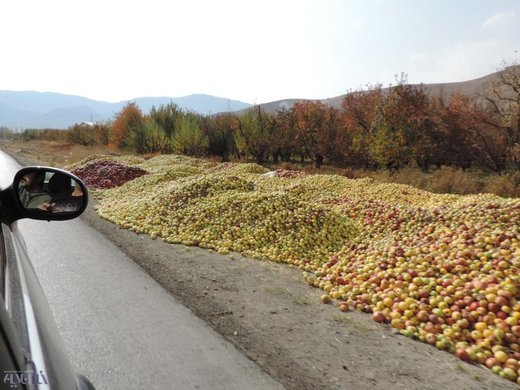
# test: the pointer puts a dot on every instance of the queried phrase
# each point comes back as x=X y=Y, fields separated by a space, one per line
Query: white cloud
x=459 y=62
x=503 y=21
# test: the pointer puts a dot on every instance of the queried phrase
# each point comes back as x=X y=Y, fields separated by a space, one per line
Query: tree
x=387 y=145
x=129 y=119
x=189 y=137
x=357 y=116
x=221 y=136
x=457 y=128
x=86 y=134
x=149 y=138
x=405 y=111
x=253 y=130
x=468 y=137
x=282 y=140
x=502 y=106
x=166 y=117
x=82 y=134
x=315 y=126
x=102 y=132
x=6 y=133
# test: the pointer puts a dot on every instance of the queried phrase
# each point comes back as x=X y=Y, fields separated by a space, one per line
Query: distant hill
x=29 y=109
x=474 y=89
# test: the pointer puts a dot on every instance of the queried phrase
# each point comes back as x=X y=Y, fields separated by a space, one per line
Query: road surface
x=120 y=327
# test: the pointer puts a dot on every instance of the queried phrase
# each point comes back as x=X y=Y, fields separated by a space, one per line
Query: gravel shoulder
x=270 y=314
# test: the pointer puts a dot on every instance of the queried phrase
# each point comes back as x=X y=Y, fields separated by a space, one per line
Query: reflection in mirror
x=47 y=191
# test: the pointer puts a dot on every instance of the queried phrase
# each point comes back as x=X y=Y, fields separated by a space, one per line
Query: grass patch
x=281 y=291
x=459 y=366
x=301 y=301
x=285 y=293
x=341 y=318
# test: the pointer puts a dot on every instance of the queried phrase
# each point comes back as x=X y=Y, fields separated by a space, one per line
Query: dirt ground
x=270 y=314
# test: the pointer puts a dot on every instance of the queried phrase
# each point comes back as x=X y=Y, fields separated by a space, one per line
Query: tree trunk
x=319 y=161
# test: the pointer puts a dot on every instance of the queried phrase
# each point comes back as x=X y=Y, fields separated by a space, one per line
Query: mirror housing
x=43 y=193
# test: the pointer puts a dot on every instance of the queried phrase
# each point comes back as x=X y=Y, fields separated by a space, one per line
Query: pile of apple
x=223 y=208
x=102 y=174
x=443 y=269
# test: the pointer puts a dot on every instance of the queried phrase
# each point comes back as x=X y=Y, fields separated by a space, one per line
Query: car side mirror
x=44 y=193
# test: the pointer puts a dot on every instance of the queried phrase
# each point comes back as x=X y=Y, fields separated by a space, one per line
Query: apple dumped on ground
x=440 y=268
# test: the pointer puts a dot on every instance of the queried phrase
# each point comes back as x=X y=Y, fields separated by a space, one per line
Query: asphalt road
x=120 y=327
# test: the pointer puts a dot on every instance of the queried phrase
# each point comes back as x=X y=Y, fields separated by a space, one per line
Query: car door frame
x=37 y=336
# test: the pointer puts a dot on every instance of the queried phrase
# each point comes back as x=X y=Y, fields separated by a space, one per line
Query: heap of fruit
x=223 y=208
x=102 y=174
x=440 y=268
x=286 y=173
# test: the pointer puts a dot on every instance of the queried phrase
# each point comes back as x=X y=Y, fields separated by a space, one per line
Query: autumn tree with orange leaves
x=129 y=119
x=283 y=139
x=357 y=116
x=403 y=119
x=388 y=128
x=316 y=127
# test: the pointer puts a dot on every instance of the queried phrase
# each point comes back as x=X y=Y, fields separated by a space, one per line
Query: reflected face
x=32 y=181
x=28 y=180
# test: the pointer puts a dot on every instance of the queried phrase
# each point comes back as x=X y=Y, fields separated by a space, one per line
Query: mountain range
x=29 y=109
x=39 y=110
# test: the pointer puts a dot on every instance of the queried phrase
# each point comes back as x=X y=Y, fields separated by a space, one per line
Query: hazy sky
x=254 y=51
